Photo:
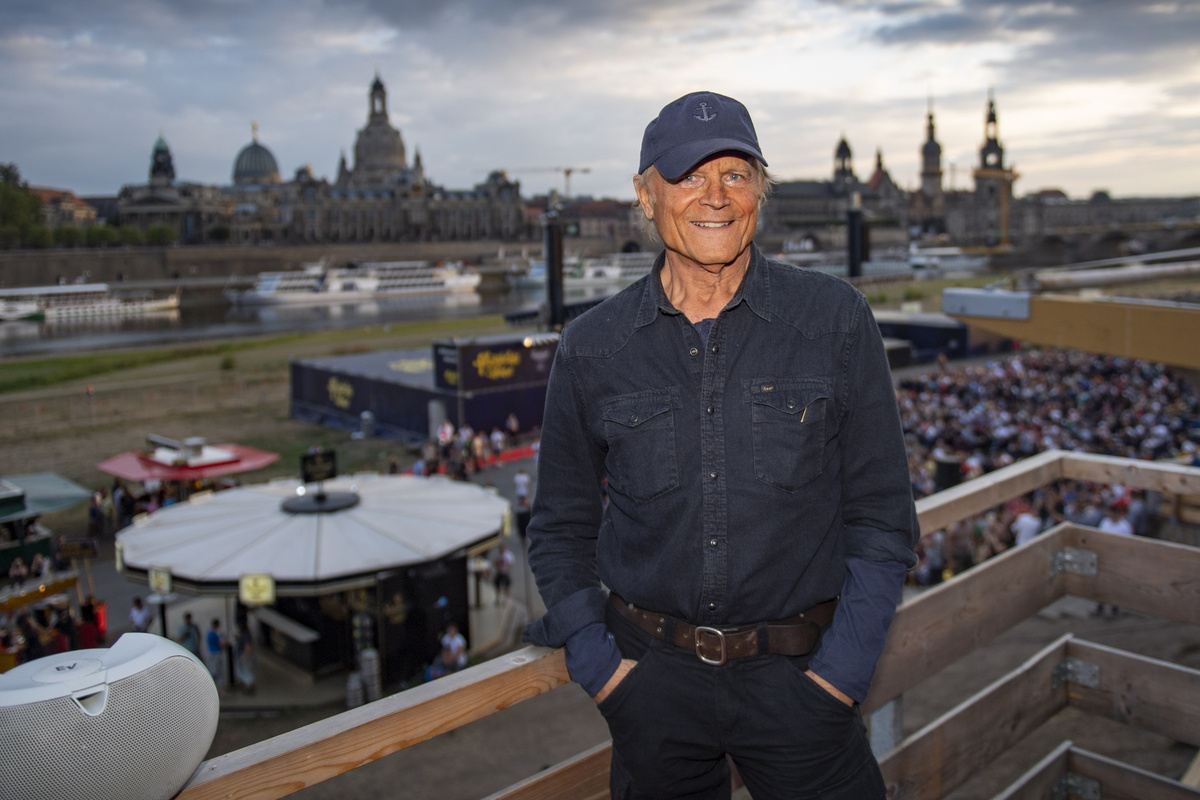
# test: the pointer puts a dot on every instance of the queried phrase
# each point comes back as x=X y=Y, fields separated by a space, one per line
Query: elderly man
x=741 y=412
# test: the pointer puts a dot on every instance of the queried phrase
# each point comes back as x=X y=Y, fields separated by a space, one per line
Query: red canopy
x=141 y=467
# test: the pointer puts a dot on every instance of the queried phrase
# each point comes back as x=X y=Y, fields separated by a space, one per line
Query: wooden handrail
x=990 y=599
x=289 y=762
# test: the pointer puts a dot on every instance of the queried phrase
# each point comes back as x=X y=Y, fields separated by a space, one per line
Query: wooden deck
x=936 y=629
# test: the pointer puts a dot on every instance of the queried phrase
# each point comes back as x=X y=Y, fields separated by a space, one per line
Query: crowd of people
x=976 y=419
x=111 y=510
x=54 y=627
x=463 y=451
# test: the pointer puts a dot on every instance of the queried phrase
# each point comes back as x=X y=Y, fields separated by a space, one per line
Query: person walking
x=188 y=636
x=140 y=616
x=243 y=658
x=214 y=653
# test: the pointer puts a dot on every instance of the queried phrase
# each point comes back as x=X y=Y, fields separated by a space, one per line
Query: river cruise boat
x=82 y=301
x=18 y=310
x=369 y=280
x=614 y=270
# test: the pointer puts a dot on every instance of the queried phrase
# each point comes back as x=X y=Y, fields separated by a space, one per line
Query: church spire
x=991 y=155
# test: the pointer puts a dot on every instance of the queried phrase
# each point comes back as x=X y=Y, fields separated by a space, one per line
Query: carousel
x=331 y=568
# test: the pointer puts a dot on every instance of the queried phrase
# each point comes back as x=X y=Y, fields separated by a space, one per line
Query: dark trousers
x=673 y=720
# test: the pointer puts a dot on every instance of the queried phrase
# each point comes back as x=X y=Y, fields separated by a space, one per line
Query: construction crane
x=566 y=171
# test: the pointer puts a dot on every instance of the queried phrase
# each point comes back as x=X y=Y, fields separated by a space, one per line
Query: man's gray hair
x=758 y=173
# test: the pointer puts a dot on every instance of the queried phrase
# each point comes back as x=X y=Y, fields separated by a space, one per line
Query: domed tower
x=843 y=168
x=931 y=162
x=162 y=168
x=378 y=151
x=255 y=165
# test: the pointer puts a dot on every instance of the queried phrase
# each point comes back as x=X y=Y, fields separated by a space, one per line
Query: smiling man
x=733 y=595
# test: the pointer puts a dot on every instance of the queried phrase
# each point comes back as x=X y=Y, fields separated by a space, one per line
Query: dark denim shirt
x=741 y=473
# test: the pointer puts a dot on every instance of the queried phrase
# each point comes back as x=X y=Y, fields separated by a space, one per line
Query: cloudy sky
x=1091 y=93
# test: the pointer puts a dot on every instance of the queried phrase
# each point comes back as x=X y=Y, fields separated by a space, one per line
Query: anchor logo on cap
x=704 y=115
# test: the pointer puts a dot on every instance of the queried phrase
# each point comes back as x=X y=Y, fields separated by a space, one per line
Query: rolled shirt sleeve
x=566 y=514
x=881 y=528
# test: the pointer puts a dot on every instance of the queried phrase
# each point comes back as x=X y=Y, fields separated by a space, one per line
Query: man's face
x=708 y=216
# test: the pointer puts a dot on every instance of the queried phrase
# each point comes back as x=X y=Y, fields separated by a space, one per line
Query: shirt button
x=712 y=606
x=716 y=349
x=712 y=542
x=710 y=409
x=694 y=351
x=712 y=475
x=633 y=418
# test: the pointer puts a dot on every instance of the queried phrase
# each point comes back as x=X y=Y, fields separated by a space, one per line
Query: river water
x=205 y=315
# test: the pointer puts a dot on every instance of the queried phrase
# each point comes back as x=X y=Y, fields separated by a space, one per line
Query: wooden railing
x=939 y=627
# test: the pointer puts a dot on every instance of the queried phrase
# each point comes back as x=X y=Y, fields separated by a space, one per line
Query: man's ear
x=645 y=199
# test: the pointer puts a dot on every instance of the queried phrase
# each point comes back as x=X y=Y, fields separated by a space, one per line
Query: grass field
x=226 y=392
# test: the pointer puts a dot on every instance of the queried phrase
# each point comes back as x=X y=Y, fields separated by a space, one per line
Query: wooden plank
x=1119 y=781
x=1191 y=775
x=292 y=761
x=1161 y=579
x=948 y=622
x=1141 y=692
x=584 y=777
x=1039 y=782
x=945 y=753
x=1161 y=476
x=988 y=491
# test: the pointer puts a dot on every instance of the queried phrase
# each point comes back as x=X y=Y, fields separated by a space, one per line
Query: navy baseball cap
x=694 y=127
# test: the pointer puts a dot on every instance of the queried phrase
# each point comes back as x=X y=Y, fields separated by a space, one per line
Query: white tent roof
x=399 y=520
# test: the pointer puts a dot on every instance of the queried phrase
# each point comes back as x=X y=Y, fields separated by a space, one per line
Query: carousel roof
x=397 y=520
x=214 y=461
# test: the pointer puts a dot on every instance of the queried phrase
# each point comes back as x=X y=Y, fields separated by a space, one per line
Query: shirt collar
x=755 y=290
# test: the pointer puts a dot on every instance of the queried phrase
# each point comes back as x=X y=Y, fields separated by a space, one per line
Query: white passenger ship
x=81 y=301
x=369 y=280
x=614 y=270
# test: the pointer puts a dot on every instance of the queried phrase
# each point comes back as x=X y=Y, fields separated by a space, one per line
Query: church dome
x=843 y=149
x=255 y=164
x=162 y=167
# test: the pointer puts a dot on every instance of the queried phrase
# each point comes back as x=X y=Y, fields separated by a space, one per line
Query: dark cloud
x=1096 y=38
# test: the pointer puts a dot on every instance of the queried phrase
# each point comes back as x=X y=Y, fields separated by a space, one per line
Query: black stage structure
x=406 y=394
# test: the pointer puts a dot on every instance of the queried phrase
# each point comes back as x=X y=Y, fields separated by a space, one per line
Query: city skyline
x=1090 y=95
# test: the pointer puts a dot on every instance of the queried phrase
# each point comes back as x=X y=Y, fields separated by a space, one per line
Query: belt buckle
x=701 y=631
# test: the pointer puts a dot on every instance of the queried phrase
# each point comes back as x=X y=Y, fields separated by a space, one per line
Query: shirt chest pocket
x=640 y=431
x=787 y=419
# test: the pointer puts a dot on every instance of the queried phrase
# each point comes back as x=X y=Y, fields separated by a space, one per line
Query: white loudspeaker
x=132 y=721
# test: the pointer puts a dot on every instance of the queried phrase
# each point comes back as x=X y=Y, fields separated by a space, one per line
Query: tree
x=67 y=236
x=130 y=234
x=38 y=236
x=100 y=236
x=161 y=235
x=20 y=209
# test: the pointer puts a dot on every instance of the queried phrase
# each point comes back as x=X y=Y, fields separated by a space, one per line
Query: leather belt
x=794 y=636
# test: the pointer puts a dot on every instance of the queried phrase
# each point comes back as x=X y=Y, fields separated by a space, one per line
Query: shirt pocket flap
x=788 y=398
x=634 y=412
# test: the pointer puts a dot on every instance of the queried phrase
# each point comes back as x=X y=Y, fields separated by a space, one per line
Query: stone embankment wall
x=179 y=263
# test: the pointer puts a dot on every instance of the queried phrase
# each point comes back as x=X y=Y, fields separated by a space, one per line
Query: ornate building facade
x=380 y=198
x=798 y=209
x=990 y=214
x=983 y=216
